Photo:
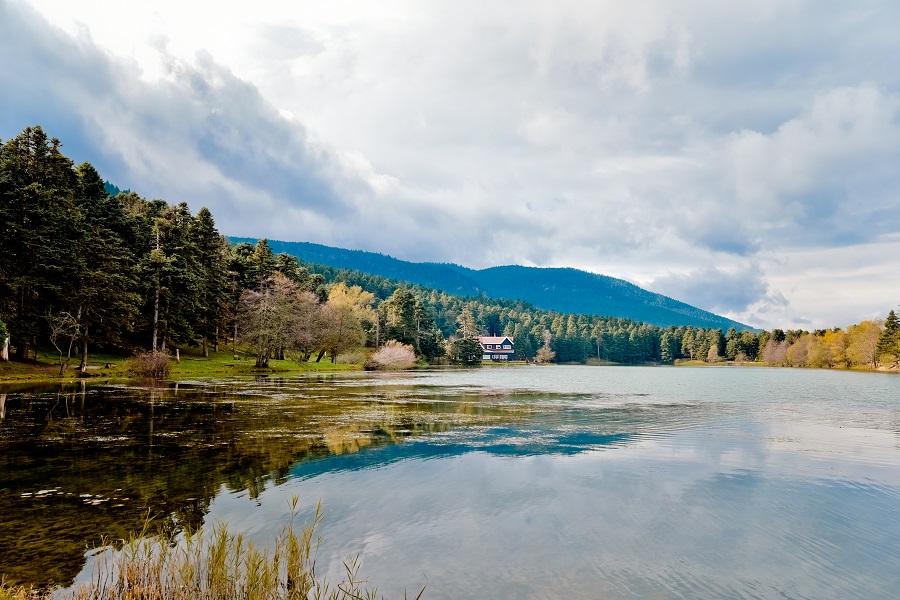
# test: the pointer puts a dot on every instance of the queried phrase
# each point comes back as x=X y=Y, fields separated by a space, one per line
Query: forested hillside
x=562 y=290
x=81 y=269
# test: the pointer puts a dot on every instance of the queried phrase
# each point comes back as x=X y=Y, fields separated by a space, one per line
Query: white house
x=496 y=348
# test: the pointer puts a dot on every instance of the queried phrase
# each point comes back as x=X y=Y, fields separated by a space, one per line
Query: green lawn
x=106 y=367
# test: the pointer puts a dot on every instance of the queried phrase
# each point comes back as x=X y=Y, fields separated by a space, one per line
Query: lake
x=514 y=482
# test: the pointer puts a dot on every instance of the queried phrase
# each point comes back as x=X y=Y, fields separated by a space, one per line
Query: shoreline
x=104 y=368
x=107 y=369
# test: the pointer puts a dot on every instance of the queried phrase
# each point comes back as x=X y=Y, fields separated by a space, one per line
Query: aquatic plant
x=215 y=565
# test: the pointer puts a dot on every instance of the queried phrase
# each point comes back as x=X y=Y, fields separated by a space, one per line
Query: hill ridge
x=561 y=289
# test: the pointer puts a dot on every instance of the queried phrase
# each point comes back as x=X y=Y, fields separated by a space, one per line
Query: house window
x=507 y=347
x=489 y=346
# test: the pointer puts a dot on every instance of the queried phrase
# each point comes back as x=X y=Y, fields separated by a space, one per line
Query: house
x=496 y=348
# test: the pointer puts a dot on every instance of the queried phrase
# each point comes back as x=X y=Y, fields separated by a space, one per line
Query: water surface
x=520 y=482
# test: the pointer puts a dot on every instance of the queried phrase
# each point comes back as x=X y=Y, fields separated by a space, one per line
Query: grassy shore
x=114 y=367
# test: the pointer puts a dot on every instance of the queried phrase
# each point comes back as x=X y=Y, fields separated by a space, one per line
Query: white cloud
x=660 y=143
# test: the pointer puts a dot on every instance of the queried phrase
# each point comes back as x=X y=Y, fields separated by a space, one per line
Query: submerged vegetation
x=216 y=565
x=82 y=464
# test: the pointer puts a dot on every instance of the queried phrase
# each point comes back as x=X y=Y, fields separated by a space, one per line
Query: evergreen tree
x=888 y=347
x=38 y=218
x=668 y=347
x=261 y=262
x=400 y=317
x=104 y=296
x=212 y=263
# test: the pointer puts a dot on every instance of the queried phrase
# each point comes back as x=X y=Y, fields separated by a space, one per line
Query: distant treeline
x=80 y=268
x=578 y=338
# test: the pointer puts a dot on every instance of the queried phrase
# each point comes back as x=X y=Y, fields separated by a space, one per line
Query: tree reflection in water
x=80 y=464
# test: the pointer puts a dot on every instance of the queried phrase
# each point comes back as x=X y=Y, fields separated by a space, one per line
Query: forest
x=86 y=266
x=563 y=290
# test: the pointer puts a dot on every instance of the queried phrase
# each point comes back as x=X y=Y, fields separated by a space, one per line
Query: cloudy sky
x=743 y=157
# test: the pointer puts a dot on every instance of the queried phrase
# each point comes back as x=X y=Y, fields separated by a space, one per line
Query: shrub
x=151 y=364
x=354 y=357
x=393 y=356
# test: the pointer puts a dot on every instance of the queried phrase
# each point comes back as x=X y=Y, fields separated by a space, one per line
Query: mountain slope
x=559 y=289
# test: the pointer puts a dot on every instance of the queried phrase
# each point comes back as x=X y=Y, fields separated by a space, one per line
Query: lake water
x=518 y=482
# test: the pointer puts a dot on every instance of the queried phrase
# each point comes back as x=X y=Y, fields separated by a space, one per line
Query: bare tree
x=307 y=335
x=269 y=318
x=64 y=330
x=545 y=353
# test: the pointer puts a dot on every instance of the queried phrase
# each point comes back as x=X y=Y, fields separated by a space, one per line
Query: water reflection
x=81 y=464
x=508 y=483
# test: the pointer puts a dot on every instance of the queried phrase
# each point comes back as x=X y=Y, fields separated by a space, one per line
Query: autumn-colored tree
x=862 y=341
x=347 y=309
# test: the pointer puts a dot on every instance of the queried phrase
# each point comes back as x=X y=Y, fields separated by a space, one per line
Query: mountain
x=559 y=289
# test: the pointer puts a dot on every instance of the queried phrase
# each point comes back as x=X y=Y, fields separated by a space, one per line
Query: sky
x=743 y=157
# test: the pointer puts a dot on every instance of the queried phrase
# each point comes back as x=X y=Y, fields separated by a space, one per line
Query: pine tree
x=888 y=347
x=104 y=297
x=212 y=264
x=400 y=317
x=37 y=220
x=668 y=347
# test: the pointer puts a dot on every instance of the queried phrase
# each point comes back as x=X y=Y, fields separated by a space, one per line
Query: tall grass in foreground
x=218 y=566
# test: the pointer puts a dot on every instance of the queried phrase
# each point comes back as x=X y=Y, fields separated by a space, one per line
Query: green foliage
x=668 y=347
x=144 y=274
x=888 y=347
x=466 y=351
x=561 y=290
x=68 y=246
x=400 y=317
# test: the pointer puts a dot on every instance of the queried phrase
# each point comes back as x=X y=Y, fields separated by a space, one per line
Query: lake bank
x=108 y=368
x=854 y=369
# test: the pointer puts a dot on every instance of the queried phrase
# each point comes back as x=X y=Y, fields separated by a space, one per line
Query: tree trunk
x=20 y=344
x=262 y=360
x=216 y=341
x=155 y=313
x=4 y=349
x=177 y=355
x=319 y=357
x=82 y=367
x=205 y=348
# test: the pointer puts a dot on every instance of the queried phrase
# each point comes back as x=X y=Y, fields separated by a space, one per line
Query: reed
x=215 y=565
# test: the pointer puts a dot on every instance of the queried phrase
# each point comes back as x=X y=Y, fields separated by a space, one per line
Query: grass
x=220 y=565
x=224 y=363
x=193 y=365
